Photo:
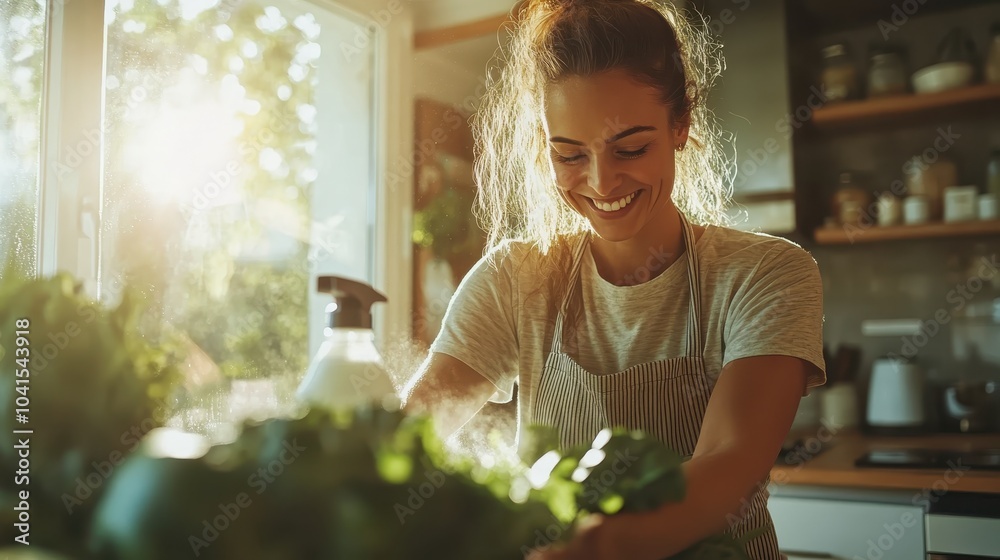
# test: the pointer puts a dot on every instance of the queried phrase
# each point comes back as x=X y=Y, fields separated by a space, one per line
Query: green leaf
x=611 y=504
x=395 y=467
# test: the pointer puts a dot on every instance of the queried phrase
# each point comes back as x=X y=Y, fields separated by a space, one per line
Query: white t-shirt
x=761 y=295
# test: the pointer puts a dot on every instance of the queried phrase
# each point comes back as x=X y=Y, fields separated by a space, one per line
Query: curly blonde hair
x=553 y=39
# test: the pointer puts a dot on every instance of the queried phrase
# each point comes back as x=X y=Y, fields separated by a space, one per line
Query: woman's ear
x=681 y=128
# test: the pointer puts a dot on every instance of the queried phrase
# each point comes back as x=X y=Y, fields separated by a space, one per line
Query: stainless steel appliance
x=971 y=407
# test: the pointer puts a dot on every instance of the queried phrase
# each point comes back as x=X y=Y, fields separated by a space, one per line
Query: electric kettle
x=896 y=396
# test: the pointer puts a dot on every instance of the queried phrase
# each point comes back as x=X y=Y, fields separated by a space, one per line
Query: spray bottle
x=347 y=372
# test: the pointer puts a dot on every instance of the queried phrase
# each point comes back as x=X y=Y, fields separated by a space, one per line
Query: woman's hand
x=597 y=537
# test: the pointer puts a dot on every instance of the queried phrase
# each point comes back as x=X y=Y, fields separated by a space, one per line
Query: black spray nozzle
x=354 y=301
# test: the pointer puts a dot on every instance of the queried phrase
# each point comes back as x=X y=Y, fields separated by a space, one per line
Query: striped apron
x=666 y=398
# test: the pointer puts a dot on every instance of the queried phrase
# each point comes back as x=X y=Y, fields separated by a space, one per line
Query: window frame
x=72 y=144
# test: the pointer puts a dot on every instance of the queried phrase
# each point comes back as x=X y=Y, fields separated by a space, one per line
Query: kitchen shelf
x=822 y=17
x=910 y=107
x=874 y=234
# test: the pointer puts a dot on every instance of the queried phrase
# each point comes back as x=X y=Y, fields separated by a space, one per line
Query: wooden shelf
x=874 y=234
x=905 y=107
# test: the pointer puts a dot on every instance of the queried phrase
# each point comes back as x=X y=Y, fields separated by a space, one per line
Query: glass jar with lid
x=993 y=174
x=839 y=77
x=887 y=74
x=851 y=204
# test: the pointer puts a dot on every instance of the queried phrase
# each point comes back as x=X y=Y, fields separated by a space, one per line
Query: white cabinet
x=811 y=527
x=961 y=535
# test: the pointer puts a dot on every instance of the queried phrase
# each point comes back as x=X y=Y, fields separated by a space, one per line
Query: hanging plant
x=447 y=225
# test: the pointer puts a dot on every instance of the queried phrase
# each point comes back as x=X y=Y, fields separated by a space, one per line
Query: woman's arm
x=448 y=390
x=748 y=417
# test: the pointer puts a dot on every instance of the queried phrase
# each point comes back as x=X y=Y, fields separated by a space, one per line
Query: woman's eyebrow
x=615 y=138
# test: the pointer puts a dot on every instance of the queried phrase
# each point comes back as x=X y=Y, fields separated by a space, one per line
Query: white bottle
x=347 y=372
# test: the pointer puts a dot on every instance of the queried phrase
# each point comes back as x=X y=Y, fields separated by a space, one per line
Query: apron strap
x=695 y=347
x=574 y=274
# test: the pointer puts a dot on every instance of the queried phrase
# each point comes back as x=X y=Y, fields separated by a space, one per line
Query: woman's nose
x=601 y=176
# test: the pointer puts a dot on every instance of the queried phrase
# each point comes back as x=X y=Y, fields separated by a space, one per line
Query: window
x=218 y=156
x=22 y=55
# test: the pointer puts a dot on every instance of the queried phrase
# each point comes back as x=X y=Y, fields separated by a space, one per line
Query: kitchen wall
x=919 y=280
x=454 y=73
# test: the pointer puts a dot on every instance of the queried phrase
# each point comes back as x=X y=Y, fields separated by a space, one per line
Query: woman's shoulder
x=530 y=257
x=730 y=250
x=509 y=255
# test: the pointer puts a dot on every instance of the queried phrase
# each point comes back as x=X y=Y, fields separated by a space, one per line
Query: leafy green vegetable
x=627 y=472
x=365 y=484
x=375 y=484
x=94 y=386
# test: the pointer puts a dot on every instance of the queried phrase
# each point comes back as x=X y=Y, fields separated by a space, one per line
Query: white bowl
x=942 y=77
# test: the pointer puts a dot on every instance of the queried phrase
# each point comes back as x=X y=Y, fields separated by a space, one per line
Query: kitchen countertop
x=834 y=464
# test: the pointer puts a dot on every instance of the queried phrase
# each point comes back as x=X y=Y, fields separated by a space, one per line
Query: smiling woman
x=602 y=177
x=612 y=294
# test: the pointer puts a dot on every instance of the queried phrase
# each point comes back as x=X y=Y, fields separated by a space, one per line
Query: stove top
x=983 y=459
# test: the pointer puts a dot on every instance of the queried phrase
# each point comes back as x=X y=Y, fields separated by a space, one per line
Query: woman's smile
x=613 y=207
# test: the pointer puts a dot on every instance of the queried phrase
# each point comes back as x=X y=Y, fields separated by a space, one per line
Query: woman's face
x=612 y=147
